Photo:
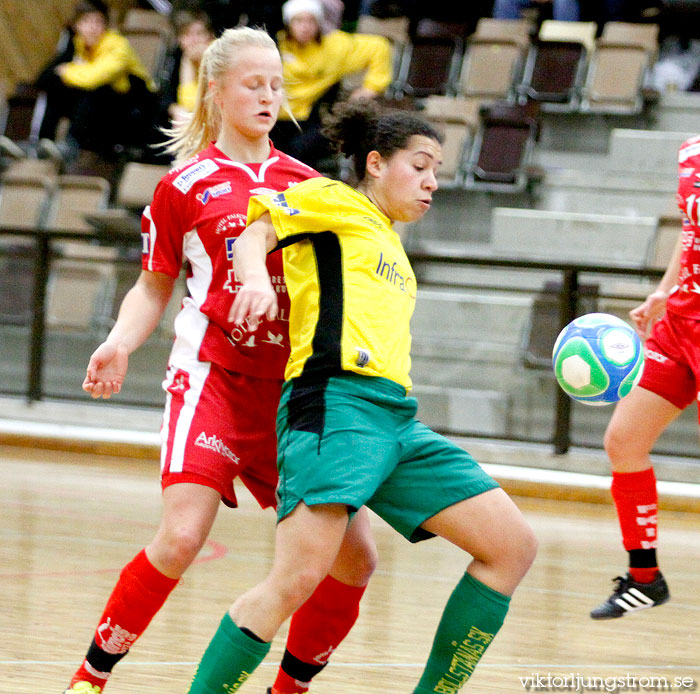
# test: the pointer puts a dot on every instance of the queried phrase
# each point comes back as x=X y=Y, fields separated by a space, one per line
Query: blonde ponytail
x=188 y=137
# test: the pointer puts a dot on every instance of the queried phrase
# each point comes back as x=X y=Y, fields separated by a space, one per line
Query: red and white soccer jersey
x=223 y=381
x=685 y=300
x=197 y=213
x=672 y=350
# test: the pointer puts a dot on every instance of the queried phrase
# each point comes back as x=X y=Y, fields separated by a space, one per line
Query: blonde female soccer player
x=223 y=380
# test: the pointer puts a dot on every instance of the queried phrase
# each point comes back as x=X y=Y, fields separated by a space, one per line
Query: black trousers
x=100 y=119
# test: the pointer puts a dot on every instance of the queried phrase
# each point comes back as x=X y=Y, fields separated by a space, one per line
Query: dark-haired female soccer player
x=346 y=426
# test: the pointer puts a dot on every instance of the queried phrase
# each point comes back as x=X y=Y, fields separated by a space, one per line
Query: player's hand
x=106 y=370
x=648 y=312
x=256 y=298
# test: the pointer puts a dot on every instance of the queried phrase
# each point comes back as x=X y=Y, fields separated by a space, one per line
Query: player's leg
x=323 y=621
x=306 y=544
x=492 y=530
x=637 y=422
x=437 y=488
x=194 y=482
x=146 y=581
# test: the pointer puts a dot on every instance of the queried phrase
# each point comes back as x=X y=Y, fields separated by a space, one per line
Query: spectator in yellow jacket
x=98 y=83
x=315 y=63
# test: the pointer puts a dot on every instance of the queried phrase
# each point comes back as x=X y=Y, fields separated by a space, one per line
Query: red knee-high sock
x=316 y=630
x=636 y=500
x=140 y=592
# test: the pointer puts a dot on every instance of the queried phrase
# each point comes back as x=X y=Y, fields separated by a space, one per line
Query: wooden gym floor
x=69 y=521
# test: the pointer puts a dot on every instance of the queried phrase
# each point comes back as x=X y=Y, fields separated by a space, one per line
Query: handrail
x=42 y=262
x=568 y=304
x=568 y=298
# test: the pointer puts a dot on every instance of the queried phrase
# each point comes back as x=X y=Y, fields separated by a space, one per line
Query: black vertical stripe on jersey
x=306 y=405
x=325 y=356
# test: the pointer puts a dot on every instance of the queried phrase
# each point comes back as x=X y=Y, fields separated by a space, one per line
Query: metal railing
x=568 y=304
x=568 y=297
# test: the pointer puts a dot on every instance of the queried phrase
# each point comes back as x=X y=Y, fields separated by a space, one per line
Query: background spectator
x=315 y=63
x=565 y=10
x=101 y=86
x=193 y=32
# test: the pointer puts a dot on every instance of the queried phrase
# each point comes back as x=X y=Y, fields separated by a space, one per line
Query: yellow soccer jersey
x=351 y=286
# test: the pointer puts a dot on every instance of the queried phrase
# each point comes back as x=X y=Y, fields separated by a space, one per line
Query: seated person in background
x=194 y=32
x=564 y=10
x=99 y=84
x=314 y=63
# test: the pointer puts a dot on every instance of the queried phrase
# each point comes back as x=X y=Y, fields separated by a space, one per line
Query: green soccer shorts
x=355 y=440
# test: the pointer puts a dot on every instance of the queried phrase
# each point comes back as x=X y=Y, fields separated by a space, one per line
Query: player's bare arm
x=256 y=297
x=139 y=315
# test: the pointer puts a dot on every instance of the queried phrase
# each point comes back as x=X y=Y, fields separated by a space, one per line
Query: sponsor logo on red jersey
x=194 y=173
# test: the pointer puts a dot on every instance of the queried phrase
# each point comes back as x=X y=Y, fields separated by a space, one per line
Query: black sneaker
x=630 y=596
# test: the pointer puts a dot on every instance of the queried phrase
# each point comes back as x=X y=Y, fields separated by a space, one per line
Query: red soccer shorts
x=219 y=425
x=672 y=360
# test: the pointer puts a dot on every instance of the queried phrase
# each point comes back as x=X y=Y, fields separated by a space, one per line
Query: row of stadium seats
x=564 y=65
x=34 y=197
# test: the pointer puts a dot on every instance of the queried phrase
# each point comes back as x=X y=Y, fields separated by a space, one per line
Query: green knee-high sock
x=472 y=617
x=229 y=660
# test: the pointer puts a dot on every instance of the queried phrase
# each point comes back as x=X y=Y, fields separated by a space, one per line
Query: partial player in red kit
x=669 y=322
x=223 y=381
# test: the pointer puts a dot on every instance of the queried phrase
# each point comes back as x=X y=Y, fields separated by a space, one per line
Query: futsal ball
x=597 y=359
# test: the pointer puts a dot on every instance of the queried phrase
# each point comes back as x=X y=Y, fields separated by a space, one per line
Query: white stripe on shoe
x=633 y=600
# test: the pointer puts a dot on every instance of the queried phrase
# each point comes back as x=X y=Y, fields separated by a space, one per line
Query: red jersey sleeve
x=163 y=227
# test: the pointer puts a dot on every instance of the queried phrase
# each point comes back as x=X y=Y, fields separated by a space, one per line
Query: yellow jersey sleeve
x=305 y=208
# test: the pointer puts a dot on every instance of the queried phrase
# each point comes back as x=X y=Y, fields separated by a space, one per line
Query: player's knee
x=179 y=546
x=367 y=559
x=616 y=444
x=527 y=547
x=521 y=549
x=298 y=587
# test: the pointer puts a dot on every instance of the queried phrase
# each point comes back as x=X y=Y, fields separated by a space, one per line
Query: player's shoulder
x=285 y=162
x=319 y=188
x=689 y=150
x=184 y=174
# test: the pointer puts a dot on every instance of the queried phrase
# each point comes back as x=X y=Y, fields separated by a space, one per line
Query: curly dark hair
x=355 y=128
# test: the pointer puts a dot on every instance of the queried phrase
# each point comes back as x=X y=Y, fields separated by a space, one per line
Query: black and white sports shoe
x=630 y=596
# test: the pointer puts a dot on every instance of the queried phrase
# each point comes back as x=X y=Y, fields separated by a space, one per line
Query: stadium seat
x=23 y=204
x=502 y=147
x=16 y=283
x=73 y=198
x=393 y=28
x=618 y=68
x=140 y=19
x=24 y=199
x=21 y=116
x=134 y=191
x=93 y=283
x=556 y=64
x=151 y=46
x=494 y=58
x=457 y=118
x=428 y=66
